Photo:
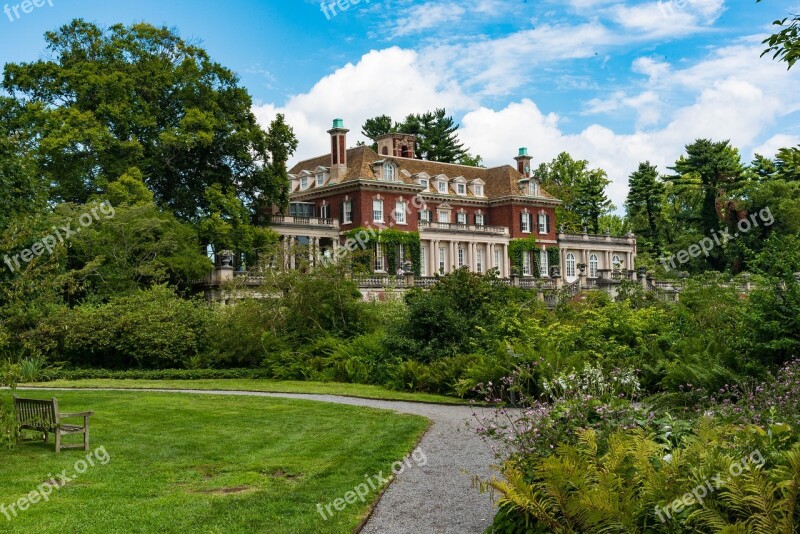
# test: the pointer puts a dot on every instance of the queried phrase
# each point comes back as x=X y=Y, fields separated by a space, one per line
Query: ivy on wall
x=518 y=247
x=391 y=239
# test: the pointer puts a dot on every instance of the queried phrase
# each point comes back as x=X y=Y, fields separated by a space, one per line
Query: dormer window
x=320 y=179
x=388 y=172
x=424 y=183
x=533 y=189
x=441 y=186
x=461 y=189
x=303 y=183
x=478 y=190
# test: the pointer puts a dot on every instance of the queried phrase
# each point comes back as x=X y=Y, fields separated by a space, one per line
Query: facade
x=465 y=216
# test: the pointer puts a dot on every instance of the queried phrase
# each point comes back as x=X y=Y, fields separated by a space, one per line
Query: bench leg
x=86 y=436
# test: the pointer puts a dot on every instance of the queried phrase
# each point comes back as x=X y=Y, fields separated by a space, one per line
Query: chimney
x=398 y=145
x=524 y=162
x=338 y=150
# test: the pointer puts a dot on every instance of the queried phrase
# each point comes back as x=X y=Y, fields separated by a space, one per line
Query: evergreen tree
x=591 y=201
x=645 y=198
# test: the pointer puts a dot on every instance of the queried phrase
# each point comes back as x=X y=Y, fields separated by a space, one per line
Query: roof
x=500 y=181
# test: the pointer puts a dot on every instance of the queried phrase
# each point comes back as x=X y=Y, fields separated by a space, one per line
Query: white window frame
x=480 y=219
x=544 y=263
x=461 y=189
x=425 y=215
x=478 y=190
x=441 y=187
x=320 y=179
x=533 y=189
x=571 y=265
x=526 y=223
x=347 y=211
x=400 y=212
x=543 y=223
x=526 y=264
x=496 y=259
x=479 y=261
x=461 y=255
x=443 y=216
x=303 y=183
x=594 y=265
x=424 y=183
x=461 y=218
x=377 y=210
x=325 y=211
x=423 y=260
x=388 y=172
x=380 y=259
x=442 y=260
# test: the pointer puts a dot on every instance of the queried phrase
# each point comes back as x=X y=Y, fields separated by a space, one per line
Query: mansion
x=465 y=216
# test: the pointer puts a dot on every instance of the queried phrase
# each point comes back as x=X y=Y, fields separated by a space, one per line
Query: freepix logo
x=27 y=6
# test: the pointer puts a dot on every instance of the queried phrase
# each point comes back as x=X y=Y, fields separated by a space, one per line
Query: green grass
x=272 y=386
x=197 y=463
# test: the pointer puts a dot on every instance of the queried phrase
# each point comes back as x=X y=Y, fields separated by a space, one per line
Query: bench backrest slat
x=38 y=412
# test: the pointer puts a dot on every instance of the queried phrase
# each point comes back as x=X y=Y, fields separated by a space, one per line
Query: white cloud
x=769 y=148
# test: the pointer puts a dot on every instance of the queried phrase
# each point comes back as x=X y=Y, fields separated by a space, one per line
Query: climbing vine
x=392 y=239
x=517 y=248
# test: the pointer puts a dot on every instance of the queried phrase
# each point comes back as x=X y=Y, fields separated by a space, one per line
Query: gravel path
x=437 y=498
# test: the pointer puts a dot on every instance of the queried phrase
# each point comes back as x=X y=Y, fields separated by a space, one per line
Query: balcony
x=455 y=227
x=304 y=221
x=573 y=238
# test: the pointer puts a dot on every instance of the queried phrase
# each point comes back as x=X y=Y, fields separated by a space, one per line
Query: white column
x=489 y=260
x=506 y=261
x=452 y=259
x=473 y=257
x=434 y=259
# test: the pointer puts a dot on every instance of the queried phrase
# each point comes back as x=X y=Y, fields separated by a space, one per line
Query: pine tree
x=645 y=197
x=590 y=198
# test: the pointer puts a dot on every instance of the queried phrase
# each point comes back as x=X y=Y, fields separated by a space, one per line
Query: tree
x=645 y=198
x=436 y=132
x=787 y=163
x=140 y=97
x=591 y=201
x=785 y=44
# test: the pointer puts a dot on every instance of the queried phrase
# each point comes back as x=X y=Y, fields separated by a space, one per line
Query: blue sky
x=614 y=82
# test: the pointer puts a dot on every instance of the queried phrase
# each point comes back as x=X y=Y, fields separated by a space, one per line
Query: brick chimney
x=338 y=150
x=398 y=145
x=524 y=162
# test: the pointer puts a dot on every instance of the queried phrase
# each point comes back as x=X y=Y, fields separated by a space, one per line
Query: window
x=460 y=256
x=480 y=219
x=461 y=217
x=377 y=210
x=400 y=212
x=380 y=259
x=425 y=216
x=461 y=189
x=533 y=189
x=593 y=266
x=423 y=261
x=388 y=172
x=320 y=179
x=571 y=265
x=325 y=211
x=479 y=261
x=303 y=183
x=544 y=263
x=347 y=212
x=497 y=259
x=442 y=186
x=616 y=262
x=478 y=190
x=526 y=223
x=544 y=223
x=442 y=260
x=526 y=263
x=301 y=209
x=424 y=183
x=444 y=216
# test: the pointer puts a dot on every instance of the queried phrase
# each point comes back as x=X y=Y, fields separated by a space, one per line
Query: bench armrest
x=79 y=414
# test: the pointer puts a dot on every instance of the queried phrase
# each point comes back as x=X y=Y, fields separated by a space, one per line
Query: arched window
x=571 y=264
x=593 y=266
x=616 y=263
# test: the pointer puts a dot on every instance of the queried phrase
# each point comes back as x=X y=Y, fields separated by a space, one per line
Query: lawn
x=272 y=386
x=197 y=463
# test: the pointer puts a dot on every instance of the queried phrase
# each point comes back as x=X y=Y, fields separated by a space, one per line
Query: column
x=489 y=256
x=452 y=259
x=506 y=261
x=433 y=260
x=473 y=257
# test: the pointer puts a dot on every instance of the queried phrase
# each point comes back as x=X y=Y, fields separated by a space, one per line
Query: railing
x=305 y=221
x=456 y=227
x=594 y=238
x=425 y=282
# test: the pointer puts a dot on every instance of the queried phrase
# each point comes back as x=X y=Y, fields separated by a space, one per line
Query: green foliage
x=391 y=240
x=644 y=204
x=785 y=44
x=517 y=248
x=109 y=101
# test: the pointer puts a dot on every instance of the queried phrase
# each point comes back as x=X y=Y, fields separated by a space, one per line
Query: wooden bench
x=43 y=416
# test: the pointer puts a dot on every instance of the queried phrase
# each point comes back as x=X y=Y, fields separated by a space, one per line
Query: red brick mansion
x=465 y=216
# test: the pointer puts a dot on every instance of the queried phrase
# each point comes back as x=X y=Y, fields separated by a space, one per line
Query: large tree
x=785 y=44
x=591 y=201
x=645 y=199
x=110 y=100
x=436 y=131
